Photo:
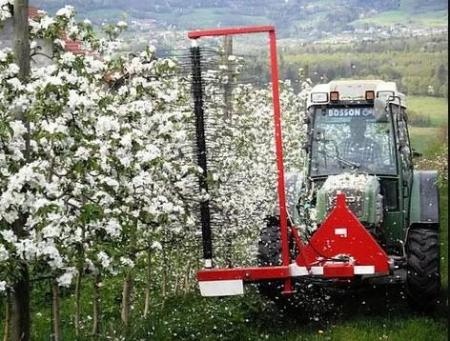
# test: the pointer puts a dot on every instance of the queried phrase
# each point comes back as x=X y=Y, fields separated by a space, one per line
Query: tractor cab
x=349 y=132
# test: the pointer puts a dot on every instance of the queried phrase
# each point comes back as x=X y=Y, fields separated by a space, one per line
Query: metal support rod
x=197 y=90
x=230 y=31
x=279 y=151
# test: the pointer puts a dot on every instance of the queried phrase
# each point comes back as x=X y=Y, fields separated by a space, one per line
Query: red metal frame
x=339 y=247
x=248 y=274
x=230 y=31
x=322 y=252
x=277 y=120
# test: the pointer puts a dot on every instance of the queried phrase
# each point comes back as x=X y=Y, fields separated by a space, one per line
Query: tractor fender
x=424 y=207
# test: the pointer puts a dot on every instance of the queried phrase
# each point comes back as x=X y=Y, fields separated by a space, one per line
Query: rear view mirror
x=380 y=110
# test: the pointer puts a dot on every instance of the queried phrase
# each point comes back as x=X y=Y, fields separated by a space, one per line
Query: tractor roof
x=354 y=90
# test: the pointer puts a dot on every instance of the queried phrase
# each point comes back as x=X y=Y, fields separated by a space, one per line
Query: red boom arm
x=277 y=120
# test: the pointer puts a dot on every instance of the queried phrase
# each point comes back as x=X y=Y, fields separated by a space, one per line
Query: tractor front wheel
x=423 y=275
x=269 y=254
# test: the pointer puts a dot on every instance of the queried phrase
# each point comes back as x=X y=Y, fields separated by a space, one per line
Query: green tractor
x=358 y=144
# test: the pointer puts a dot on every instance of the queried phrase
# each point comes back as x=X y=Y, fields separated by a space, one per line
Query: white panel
x=317 y=270
x=341 y=232
x=295 y=270
x=364 y=269
x=221 y=288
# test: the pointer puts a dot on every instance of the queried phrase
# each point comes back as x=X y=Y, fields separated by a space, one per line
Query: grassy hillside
x=429 y=121
x=418 y=66
x=431 y=109
x=296 y=18
x=402 y=17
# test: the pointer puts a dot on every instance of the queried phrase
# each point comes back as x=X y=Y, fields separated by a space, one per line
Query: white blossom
x=122 y=24
x=113 y=228
x=67 y=11
x=104 y=259
x=9 y=236
x=4 y=254
x=65 y=280
x=45 y=22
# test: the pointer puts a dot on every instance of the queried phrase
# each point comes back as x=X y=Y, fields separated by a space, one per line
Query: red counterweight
x=342 y=239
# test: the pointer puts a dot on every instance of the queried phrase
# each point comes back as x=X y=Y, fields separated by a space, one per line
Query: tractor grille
x=362 y=193
x=354 y=200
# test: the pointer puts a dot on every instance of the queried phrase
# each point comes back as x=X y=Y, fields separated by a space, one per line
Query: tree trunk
x=187 y=277
x=149 y=283
x=78 y=300
x=80 y=272
x=164 y=273
x=56 y=312
x=127 y=289
x=21 y=38
x=176 y=284
x=97 y=301
x=20 y=294
x=126 y=298
x=20 y=306
x=7 y=318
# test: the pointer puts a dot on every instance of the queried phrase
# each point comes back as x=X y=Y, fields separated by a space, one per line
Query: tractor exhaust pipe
x=197 y=91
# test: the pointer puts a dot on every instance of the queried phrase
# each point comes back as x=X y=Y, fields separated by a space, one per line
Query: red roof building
x=33 y=12
x=74 y=46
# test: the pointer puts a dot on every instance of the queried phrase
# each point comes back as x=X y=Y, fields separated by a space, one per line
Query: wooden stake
x=20 y=296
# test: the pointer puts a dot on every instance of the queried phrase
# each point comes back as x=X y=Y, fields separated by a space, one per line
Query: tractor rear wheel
x=423 y=274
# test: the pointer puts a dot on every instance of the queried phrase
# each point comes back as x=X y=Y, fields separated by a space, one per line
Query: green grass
x=433 y=108
x=373 y=315
x=426 y=19
x=424 y=138
x=433 y=113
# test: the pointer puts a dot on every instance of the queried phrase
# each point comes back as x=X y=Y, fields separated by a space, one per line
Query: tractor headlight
x=319 y=97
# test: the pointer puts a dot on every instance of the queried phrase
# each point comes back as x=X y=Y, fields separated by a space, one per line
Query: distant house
x=44 y=48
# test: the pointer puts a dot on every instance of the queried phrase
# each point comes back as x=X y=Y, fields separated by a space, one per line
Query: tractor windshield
x=350 y=138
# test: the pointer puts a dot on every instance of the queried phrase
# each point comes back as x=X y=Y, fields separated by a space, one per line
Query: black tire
x=423 y=279
x=269 y=254
x=307 y=295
